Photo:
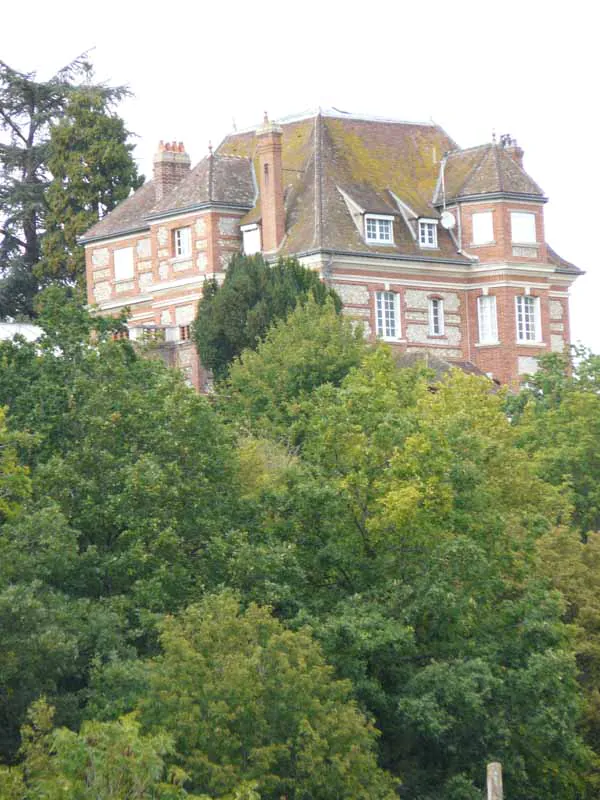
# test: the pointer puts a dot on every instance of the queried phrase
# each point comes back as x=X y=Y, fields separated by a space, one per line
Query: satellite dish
x=447 y=220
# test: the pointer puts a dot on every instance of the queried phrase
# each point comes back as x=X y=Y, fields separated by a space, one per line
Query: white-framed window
x=379 y=229
x=436 y=316
x=251 y=239
x=387 y=315
x=483 y=227
x=487 y=318
x=529 y=328
x=522 y=227
x=123 y=260
x=182 y=242
x=428 y=233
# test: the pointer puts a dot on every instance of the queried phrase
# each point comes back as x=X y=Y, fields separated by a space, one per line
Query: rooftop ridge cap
x=334 y=113
x=499 y=169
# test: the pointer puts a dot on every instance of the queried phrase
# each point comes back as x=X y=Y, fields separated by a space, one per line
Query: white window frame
x=523 y=227
x=387 y=310
x=487 y=321
x=528 y=319
x=482 y=224
x=123 y=261
x=427 y=227
x=436 y=320
x=251 y=240
x=182 y=242
x=382 y=222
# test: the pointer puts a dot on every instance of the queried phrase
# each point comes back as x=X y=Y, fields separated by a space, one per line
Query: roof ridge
x=336 y=114
x=318 y=134
x=475 y=168
x=210 y=176
x=499 y=169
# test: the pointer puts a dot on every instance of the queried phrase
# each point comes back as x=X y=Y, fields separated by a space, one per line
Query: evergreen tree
x=254 y=294
x=28 y=109
x=92 y=171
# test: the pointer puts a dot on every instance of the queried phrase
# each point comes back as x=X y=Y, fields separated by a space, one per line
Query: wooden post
x=494 y=781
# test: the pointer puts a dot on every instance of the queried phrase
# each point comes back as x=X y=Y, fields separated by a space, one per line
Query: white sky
x=527 y=68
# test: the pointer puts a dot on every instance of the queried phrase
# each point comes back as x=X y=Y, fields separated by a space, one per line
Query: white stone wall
x=416 y=298
x=557 y=343
x=144 y=248
x=351 y=294
x=527 y=365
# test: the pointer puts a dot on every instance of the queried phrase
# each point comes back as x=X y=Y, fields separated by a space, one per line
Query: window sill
x=428 y=246
x=483 y=244
x=531 y=344
x=390 y=341
x=384 y=244
x=180 y=259
x=487 y=344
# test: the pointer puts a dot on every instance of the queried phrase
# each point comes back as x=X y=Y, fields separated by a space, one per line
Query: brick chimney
x=270 y=183
x=171 y=165
x=512 y=148
x=494 y=781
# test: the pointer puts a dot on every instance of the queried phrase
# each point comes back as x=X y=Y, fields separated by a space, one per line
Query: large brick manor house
x=433 y=248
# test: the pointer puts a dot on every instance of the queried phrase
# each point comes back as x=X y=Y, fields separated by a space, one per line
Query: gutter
x=389 y=257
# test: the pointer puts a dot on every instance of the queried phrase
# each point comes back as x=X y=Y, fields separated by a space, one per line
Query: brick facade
x=202 y=213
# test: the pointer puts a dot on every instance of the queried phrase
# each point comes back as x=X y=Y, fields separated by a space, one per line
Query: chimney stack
x=270 y=183
x=512 y=148
x=171 y=165
x=494 y=781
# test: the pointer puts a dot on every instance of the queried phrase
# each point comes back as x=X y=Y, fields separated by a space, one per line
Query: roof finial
x=493 y=136
x=209 y=147
x=265 y=118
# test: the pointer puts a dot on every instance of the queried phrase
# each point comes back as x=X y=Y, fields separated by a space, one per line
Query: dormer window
x=379 y=229
x=428 y=233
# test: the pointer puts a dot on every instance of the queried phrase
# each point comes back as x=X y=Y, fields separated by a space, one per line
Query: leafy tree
x=254 y=294
x=28 y=109
x=108 y=760
x=92 y=171
x=405 y=536
x=132 y=477
x=248 y=700
x=312 y=346
x=558 y=424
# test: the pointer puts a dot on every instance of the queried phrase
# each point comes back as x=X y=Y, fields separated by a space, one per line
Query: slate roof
x=368 y=160
x=128 y=216
x=216 y=179
x=334 y=163
x=485 y=170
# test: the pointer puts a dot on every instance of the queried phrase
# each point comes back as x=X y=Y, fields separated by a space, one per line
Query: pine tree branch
x=8 y=121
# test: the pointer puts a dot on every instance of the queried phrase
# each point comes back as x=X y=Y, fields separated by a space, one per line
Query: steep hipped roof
x=217 y=179
x=485 y=170
x=327 y=155
x=130 y=215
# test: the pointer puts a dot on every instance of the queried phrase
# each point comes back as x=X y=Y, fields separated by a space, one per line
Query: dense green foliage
x=331 y=578
x=236 y=315
x=92 y=170
x=87 y=147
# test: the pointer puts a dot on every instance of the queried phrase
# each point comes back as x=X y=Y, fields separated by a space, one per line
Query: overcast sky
x=196 y=69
